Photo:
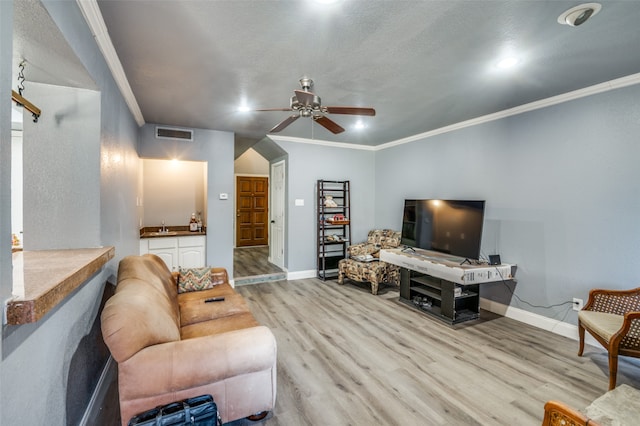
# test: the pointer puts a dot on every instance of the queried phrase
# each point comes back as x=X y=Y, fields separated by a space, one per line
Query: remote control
x=214 y=299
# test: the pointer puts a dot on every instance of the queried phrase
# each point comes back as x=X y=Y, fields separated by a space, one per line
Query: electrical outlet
x=577 y=304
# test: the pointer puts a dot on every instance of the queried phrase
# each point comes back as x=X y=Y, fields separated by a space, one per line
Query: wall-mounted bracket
x=21 y=101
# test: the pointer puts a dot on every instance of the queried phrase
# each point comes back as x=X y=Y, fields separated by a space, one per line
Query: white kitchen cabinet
x=166 y=249
x=191 y=252
x=177 y=252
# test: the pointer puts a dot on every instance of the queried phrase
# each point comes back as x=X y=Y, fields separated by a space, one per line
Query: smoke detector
x=578 y=15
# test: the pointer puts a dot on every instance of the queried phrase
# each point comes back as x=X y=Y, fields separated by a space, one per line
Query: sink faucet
x=164 y=228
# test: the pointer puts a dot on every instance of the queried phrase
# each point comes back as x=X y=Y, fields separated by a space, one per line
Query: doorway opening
x=252 y=254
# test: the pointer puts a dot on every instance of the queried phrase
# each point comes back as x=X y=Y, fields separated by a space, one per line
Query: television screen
x=447 y=226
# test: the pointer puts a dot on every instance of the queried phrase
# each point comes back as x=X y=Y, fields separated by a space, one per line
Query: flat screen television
x=446 y=226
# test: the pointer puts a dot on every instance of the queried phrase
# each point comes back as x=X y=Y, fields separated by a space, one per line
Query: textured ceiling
x=48 y=57
x=422 y=65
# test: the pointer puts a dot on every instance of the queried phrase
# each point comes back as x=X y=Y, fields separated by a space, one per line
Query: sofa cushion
x=151 y=269
x=217 y=291
x=137 y=316
x=218 y=326
x=194 y=311
x=603 y=324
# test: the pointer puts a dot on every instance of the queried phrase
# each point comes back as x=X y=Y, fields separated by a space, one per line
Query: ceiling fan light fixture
x=578 y=15
x=305 y=103
x=306 y=83
x=507 y=62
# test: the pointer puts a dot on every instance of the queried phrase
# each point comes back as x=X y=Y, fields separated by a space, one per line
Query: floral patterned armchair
x=363 y=265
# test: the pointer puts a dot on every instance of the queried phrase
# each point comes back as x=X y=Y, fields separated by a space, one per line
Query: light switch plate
x=224 y=196
x=299 y=202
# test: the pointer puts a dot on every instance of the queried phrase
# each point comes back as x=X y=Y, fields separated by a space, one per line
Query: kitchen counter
x=174 y=231
x=43 y=279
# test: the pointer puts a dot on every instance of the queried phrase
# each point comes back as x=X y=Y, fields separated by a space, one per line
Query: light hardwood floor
x=346 y=357
x=250 y=261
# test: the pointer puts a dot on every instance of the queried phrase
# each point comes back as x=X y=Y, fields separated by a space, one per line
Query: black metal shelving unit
x=333 y=235
x=450 y=302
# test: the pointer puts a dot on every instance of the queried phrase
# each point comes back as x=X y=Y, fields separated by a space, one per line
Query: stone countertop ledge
x=172 y=231
x=43 y=279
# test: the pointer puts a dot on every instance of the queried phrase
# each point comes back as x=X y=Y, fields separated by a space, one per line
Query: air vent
x=174 y=134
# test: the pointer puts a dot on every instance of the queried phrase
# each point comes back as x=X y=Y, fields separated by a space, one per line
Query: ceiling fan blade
x=284 y=123
x=305 y=98
x=273 y=109
x=349 y=110
x=328 y=124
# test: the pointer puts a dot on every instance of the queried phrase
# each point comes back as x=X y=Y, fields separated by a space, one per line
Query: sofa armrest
x=184 y=364
x=363 y=248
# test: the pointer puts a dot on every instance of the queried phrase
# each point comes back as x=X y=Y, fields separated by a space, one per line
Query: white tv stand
x=442 y=285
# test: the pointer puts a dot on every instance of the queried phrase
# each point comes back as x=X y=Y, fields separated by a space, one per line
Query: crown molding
x=93 y=17
x=345 y=145
x=629 y=80
x=618 y=83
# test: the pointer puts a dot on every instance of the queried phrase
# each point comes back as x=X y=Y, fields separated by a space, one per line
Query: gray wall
x=560 y=184
x=39 y=361
x=216 y=148
x=562 y=190
x=119 y=163
x=172 y=191
x=61 y=169
x=6 y=46
x=306 y=164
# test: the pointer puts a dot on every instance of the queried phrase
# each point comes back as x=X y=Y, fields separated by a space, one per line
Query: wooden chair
x=612 y=317
x=559 y=414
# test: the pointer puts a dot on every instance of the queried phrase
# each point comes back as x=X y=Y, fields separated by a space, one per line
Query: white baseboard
x=99 y=392
x=299 y=275
x=536 y=320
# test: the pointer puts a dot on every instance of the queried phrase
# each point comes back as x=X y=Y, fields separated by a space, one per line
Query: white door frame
x=277 y=213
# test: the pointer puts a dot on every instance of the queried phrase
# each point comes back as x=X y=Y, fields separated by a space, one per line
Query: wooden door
x=252 y=213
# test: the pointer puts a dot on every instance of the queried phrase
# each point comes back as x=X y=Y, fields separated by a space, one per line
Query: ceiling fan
x=307 y=104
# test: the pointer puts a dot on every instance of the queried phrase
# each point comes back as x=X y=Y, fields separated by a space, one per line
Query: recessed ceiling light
x=359 y=125
x=578 y=15
x=243 y=108
x=507 y=62
x=326 y=1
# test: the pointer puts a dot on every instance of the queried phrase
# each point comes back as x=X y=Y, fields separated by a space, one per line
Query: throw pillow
x=195 y=279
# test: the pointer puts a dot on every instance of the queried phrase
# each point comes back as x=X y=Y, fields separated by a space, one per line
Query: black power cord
x=569 y=302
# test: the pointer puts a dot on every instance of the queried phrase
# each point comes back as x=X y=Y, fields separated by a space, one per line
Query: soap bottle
x=199 y=222
x=193 y=223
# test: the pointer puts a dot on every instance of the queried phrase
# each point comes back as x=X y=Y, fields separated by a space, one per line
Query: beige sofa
x=172 y=346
